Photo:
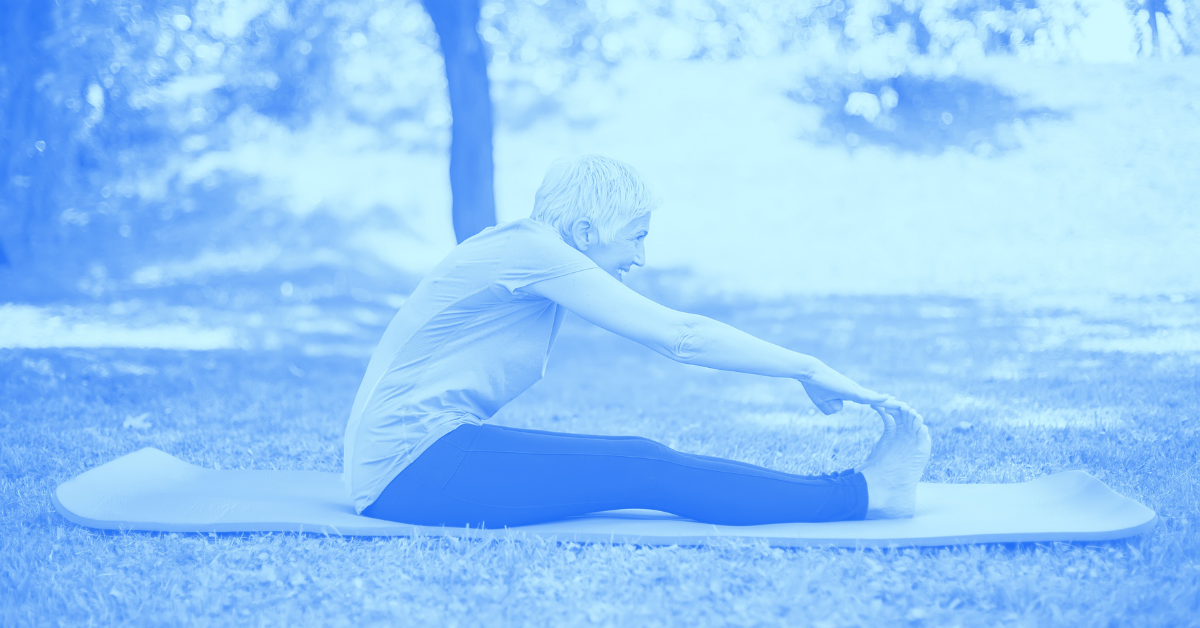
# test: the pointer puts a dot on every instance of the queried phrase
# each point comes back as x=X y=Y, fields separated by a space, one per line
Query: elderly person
x=476 y=333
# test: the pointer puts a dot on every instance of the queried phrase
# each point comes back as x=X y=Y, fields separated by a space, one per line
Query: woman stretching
x=476 y=333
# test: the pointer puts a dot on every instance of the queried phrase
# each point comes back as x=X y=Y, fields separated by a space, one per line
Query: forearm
x=713 y=344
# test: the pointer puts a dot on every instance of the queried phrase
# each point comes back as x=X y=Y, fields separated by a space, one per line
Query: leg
x=495 y=476
x=755 y=468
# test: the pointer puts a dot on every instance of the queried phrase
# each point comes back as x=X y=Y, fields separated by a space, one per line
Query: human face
x=626 y=250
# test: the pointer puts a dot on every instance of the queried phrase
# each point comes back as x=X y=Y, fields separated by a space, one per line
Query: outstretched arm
x=598 y=298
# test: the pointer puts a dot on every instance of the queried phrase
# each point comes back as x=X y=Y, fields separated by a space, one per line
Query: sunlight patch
x=317 y=349
x=1165 y=341
x=989 y=411
x=769 y=392
x=209 y=262
x=852 y=417
x=1095 y=418
x=28 y=327
x=772 y=419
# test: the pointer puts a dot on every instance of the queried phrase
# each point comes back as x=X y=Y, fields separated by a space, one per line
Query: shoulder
x=520 y=252
x=531 y=231
x=523 y=240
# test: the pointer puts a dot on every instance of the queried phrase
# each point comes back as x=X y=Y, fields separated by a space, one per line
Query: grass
x=1005 y=402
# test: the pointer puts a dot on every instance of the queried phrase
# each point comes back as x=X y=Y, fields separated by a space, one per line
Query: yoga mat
x=151 y=490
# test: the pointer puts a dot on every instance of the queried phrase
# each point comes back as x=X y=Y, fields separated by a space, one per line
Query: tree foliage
x=119 y=115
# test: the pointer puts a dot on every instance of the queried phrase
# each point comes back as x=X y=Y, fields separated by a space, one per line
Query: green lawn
x=1009 y=396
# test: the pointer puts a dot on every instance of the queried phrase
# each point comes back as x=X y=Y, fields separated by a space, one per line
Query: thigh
x=496 y=476
x=518 y=468
x=499 y=438
x=415 y=495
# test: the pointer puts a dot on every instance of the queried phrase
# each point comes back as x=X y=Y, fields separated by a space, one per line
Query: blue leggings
x=492 y=476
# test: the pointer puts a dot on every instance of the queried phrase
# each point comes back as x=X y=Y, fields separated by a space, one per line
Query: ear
x=583 y=234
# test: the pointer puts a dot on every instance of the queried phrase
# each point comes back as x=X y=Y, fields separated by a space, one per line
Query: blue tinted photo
x=573 y=312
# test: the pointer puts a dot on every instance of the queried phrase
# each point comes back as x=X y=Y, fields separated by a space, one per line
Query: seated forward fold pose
x=476 y=333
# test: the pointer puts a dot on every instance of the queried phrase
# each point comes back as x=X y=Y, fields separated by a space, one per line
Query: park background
x=209 y=210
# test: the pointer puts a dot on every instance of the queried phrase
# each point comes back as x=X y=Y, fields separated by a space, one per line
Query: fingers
x=902 y=414
x=866 y=396
x=829 y=384
x=891 y=403
x=829 y=401
x=897 y=411
x=871 y=398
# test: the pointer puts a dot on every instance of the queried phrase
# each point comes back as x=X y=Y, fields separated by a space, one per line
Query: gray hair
x=606 y=192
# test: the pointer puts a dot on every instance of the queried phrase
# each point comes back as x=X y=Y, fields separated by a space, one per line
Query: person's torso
x=465 y=343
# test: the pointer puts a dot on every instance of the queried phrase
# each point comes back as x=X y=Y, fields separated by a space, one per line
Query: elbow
x=685 y=344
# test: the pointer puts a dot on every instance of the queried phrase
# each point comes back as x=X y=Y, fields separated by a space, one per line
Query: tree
x=47 y=152
x=23 y=165
x=473 y=204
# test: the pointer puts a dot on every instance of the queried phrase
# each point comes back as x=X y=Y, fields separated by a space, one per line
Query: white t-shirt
x=466 y=342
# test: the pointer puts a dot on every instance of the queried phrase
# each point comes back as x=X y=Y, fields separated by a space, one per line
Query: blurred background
x=268 y=174
x=210 y=209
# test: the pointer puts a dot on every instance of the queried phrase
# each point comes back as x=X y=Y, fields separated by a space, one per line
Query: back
x=466 y=342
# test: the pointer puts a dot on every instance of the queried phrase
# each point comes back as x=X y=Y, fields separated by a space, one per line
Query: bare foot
x=889 y=430
x=884 y=442
x=895 y=464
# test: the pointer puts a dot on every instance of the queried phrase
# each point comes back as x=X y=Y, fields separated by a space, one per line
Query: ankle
x=876 y=494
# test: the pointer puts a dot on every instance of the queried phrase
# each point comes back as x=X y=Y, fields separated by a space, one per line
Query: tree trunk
x=23 y=171
x=473 y=204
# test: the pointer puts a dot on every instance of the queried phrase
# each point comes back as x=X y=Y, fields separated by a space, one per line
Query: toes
x=904 y=419
x=889 y=423
x=914 y=420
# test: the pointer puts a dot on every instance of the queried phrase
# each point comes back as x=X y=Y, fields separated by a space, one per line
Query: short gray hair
x=602 y=190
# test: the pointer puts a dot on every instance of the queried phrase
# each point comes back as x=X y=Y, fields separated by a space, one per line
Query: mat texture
x=153 y=491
